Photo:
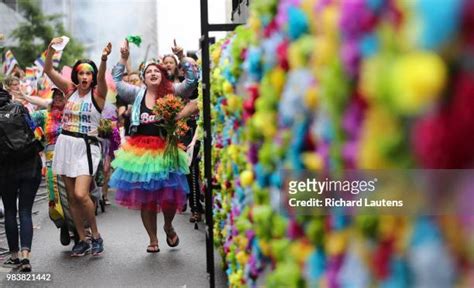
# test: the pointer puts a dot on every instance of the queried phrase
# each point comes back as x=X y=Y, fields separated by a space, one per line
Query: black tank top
x=149 y=126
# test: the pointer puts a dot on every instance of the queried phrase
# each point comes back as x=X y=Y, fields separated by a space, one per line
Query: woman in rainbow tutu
x=144 y=177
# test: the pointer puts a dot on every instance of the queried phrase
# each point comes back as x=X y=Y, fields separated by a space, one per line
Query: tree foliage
x=34 y=36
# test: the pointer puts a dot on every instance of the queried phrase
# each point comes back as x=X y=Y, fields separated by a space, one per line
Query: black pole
x=207 y=142
x=206 y=98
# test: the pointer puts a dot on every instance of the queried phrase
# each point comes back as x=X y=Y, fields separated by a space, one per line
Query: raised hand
x=178 y=51
x=125 y=50
x=56 y=40
x=107 y=50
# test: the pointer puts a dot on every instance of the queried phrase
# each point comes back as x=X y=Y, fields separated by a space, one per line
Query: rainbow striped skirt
x=145 y=179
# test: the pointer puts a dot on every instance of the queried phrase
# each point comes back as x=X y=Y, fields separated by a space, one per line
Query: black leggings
x=193 y=182
x=24 y=186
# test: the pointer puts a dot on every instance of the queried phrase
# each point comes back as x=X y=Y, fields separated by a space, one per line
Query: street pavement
x=124 y=262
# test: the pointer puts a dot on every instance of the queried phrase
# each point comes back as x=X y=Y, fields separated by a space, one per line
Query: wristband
x=104 y=58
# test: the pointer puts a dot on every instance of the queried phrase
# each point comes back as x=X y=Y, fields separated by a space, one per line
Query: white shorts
x=70 y=157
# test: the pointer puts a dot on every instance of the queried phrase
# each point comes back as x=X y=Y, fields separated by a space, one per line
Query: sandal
x=170 y=235
x=196 y=217
x=153 y=248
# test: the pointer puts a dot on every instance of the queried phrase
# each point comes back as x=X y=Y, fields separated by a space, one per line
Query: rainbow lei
x=53 y=126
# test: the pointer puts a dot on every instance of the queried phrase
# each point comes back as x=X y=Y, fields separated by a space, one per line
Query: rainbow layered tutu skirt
x=145 y=179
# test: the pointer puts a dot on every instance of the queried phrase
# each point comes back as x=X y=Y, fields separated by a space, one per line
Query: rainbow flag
x=31 y=79
x=39 y=62
x=44 y=87
x=30 y=73
x=9 y=62
x=45 y=93
x=57 y=58
x=39 y=134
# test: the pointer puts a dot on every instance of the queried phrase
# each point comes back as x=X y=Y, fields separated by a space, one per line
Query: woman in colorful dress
x=144 y=178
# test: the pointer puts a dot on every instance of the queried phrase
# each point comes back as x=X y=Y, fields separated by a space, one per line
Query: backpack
x=17 y=139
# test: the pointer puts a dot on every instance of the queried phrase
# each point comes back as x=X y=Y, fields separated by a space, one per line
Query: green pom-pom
x=135 y=39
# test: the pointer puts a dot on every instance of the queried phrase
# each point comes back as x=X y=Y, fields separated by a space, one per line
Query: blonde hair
x=8 y=81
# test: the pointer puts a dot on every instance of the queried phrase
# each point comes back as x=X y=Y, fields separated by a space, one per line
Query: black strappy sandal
x=170 y=234
x=153 y=248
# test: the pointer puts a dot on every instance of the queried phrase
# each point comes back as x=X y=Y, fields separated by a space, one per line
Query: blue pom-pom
x=375 y=5
x=369 y=45
x=297 y=23
x=440 y=20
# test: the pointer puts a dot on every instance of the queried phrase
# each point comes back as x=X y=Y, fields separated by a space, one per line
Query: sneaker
x=65 y=238
x=106 y=201
x=12 y=263
x=25 y=265
x=81 y=248
x=97 y=246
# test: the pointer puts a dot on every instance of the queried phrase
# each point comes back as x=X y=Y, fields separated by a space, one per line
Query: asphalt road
x=125 y=262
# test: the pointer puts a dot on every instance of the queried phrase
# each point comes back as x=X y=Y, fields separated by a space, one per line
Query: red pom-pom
x=446 y=140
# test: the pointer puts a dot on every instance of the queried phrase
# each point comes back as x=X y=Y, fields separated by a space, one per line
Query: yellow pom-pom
x=234 y=103
x=371 y=84
x=216 y=54
x=270 y=131
x=265 y=122
x=330 y=21
x=379 y=127
x=308 y=8
x=265 y=247
x=227 y=88
x=254 y=22
x=295 y=56
x=312 y=98
x=301 y=251
x=244 y=242
x=233 y=151
x=246 y=178
x=224 y=232
x=277 y=78
x=242 y=257
x=325 y=50
x=336 y=243
x=312 y=161
x=225 y=207
x=387 y=227
x=417 y=81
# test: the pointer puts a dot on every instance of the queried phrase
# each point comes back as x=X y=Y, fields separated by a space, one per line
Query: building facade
x=94 y=23
x=9 y=20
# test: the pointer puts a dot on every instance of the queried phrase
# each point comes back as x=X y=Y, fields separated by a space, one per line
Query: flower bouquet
x=166 y=109
x=105 y=128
